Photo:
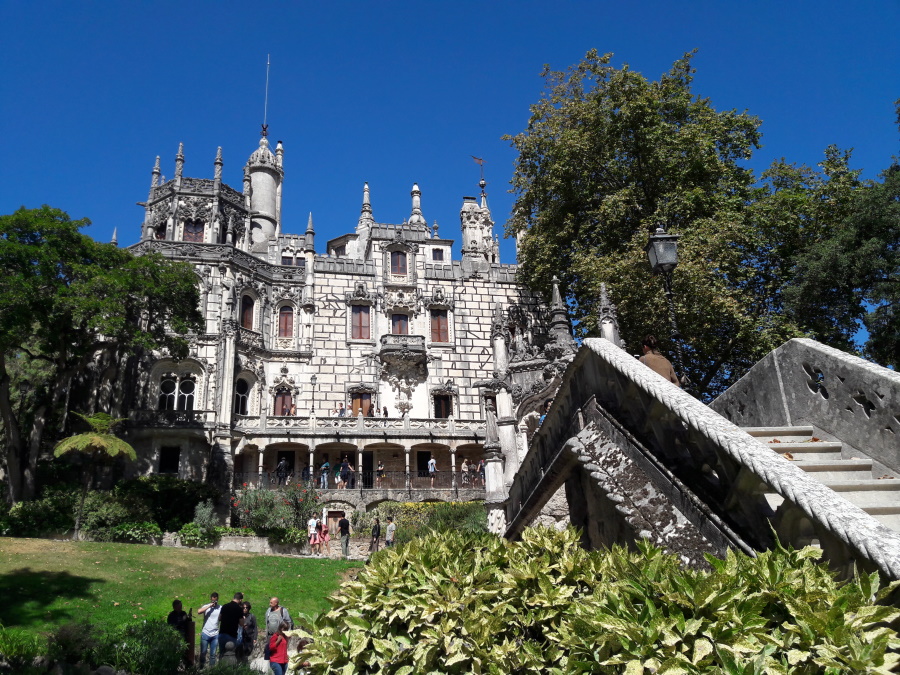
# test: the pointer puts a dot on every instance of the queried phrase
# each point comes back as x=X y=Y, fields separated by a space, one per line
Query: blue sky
x=396 y=92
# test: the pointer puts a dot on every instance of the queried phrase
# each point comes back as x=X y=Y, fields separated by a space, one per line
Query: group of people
x=389 y=534
x=470 y=472
x=371 y=411
x=234 y=624
x=319 y=537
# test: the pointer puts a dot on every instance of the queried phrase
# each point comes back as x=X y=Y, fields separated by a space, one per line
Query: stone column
x=407 y=450
x=506 y=427
x=359 y=476
x=312 y=463
x=260 y=460
x=495 y=487
x=453 y=466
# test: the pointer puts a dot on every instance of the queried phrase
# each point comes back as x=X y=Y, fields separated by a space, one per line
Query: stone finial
x=279 y=154
x=179 y=161
x=115 y=238
x=154 y=181
x=310 y=234
x=416 y=217
x=434 y=230
x=607 y=318
x=556 y=299
x=218 y=164
x=366 y=219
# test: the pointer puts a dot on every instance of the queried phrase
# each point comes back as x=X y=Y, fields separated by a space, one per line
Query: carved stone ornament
x=495 y=383
x=360 y=295
x=362 y=388
x=447 y=387
x=195 y=208
x=401 y=301
x=284 y=381
x=439 y=299
x=289 y=293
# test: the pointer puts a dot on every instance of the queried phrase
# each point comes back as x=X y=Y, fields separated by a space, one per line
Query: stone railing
x=284 y=343
x=808 y=383
x=172 y=418
x=249 y=338
x=360 y=424
x=363 y=480
x=715 y=460
x=412 y=342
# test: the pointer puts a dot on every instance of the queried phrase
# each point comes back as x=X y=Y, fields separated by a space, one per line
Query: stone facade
x=382 y=320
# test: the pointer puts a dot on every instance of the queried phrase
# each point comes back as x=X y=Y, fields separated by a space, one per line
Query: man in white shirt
x=209 y=636
x=432 y=469
x=311 y=532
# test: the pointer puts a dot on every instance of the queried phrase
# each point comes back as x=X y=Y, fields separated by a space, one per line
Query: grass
x=48 y=583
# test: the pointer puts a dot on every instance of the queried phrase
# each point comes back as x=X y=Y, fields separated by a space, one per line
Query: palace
x=381 y=348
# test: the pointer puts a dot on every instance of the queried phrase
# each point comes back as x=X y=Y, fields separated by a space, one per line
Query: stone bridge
x=638 y=458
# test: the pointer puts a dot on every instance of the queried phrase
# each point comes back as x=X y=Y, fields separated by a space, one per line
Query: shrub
x=456 y=603
x=74 y=643
x=54 y=512
x=149 y=648
x=138 y=533
x=262 y=510
x=171 y=501
x=417 y=519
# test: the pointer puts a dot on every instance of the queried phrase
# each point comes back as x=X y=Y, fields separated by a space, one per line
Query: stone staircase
x=852 y=478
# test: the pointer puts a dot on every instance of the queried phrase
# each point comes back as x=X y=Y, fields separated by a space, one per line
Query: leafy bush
x=139 y=533
x=170 y=500
x=291 y=535
x=265 y=510
x=149 y=648
x=19 y=648
x=105 y=511
x=417 y=519
x=455 y=603
x=193 y=535
x=205 y=516
x=54 y=512
x=74 y=643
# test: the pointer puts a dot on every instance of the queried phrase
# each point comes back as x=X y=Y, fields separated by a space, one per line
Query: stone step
x=822 y=451
x=837 y=470
x=766 y=434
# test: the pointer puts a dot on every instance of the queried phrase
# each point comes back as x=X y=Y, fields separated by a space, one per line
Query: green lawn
x=47 y=583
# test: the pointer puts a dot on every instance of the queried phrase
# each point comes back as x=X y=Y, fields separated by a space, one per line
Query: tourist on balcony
x=379 y=474
x=345 y=473
x=323 y=474
x=376 y=536
x=384 y=416
x=293 y=411
x=654 y=360
x=390 y=532
x=479 y=473
x=432 y=469
x=341 y=410
x=281 y=471
x=464 y=472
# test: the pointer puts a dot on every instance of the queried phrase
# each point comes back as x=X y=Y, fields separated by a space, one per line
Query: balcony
x=365 y=426
x=172 y=418
x=402 y=349
x=446 y=484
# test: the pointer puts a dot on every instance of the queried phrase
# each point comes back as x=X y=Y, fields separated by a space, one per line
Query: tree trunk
x=11 y=436
x=78 y=515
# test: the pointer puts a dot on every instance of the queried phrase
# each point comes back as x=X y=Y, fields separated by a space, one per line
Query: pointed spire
x=434 y=231
x=556 y=299
x=366 y=219
x=279 y=153
x=218 y=164
x=483 y=184
x=154 y=182
x=310 y=234
x=179 y=161
x=416 y=218
x=608 y=319
x=559 y=317
x=115 y=239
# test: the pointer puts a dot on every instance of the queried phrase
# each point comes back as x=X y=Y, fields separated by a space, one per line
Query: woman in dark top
x=278 y=645
x=250 y=630
x=376 y=535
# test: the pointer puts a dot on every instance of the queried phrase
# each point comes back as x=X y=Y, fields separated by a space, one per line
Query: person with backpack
x=274 y=616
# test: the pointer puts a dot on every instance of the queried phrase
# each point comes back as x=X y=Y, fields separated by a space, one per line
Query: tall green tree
x=608 y=156
x=64 y=299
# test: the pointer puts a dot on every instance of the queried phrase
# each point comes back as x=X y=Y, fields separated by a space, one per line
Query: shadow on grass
x=27 y=596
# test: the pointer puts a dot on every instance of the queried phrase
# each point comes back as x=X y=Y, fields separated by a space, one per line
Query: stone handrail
x=841 y=395
x=172 y=417
x=723 y=465
x=360 y=424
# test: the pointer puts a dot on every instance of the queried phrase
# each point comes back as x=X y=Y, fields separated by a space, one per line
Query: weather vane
x=265 y=127
x=482 y=183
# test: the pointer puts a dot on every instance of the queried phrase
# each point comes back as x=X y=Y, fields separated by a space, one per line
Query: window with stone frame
x=241 y=397
x=360 y=326
x=399 y=324
x=167 y=388
x=186 y=389
x=193 y=231
x=340 y=251
x=284 y=402
x=443 y=405
x=247 y=305
x=440 y=326
x=286 y=322
x=360 y=401
x=398 y=262
x=437 y=254
x=287 y=259
x=169 y=459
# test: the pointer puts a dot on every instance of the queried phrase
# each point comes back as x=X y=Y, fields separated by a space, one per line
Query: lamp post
x=662 y=252
x=312 y=381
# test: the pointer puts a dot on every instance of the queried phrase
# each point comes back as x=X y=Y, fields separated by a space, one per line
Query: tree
x=98 y=446
x=609 y=156
x=65 y=299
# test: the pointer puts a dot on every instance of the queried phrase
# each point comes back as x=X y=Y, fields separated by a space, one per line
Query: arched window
x=186 y=394
x=167 y=393
x=399 y=324
x=247 y=312
x=398 y=262
x=283 y=403
x=193 y=230
x=286 y=322
x=241 y=394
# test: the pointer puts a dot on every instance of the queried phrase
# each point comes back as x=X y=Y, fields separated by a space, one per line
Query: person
x=305 y=474
x=656 y=361
x=390 y=532
x=376 y=535
x=344 y=531
x=325 y=541
x=209 y=635
x=318 y=537
x=278 y=644
x=338 y=483
x=345 y=471
x=544 y=411
x=293 y=411
x=341 y=410
x=371 y=411
x=480 y=471
x=281 y=471
x=231 y=620
x=379 y=474
x=432 y=469
x=464 y=472
x=351 y=481
x=249 y=632
x=275 y=616
x=326 y=467
x=384 y=416
x=179 y=620
x=311 y=533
